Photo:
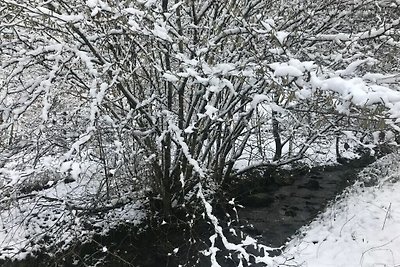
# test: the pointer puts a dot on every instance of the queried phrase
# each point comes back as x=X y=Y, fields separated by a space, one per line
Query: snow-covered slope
x=362 y=228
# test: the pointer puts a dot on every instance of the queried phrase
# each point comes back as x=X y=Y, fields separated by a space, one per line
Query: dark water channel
x=274 y=213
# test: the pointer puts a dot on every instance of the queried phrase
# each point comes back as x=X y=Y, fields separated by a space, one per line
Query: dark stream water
x=273 y=214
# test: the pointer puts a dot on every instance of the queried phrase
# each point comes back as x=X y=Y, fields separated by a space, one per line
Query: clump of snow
x=281 y=70
x=281 y=36
x=258 y=98
x=161 y=31
x=211 y=111
x=358 y=92
x=268 y=26
x=352 y=67
x=292 y=68
x=170 y=77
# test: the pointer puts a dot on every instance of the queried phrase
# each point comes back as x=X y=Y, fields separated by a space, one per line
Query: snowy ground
x=361 y=228
x=44 y=212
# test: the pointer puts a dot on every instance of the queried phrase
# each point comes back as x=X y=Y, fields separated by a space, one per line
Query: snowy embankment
x=361 y=228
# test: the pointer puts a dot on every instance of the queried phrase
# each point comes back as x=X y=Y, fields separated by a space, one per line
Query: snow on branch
x=243 y=255
x=359 y=93
x=344 y=37
x=177 y=135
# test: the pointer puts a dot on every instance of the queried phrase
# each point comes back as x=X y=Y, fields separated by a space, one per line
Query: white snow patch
x=92 y=3
x=281 y=36
x=170 y=77
x=161 y=31
x=257 y=99
x=211 y=111
x=293 y=68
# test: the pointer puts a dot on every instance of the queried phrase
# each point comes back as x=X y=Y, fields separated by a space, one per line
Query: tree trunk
x=277 y=137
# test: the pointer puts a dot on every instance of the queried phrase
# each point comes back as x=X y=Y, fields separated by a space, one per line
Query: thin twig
x=340 y=233
x=387 y=215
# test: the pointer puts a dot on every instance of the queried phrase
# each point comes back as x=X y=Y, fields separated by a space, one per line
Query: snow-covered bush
x=168 y=99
